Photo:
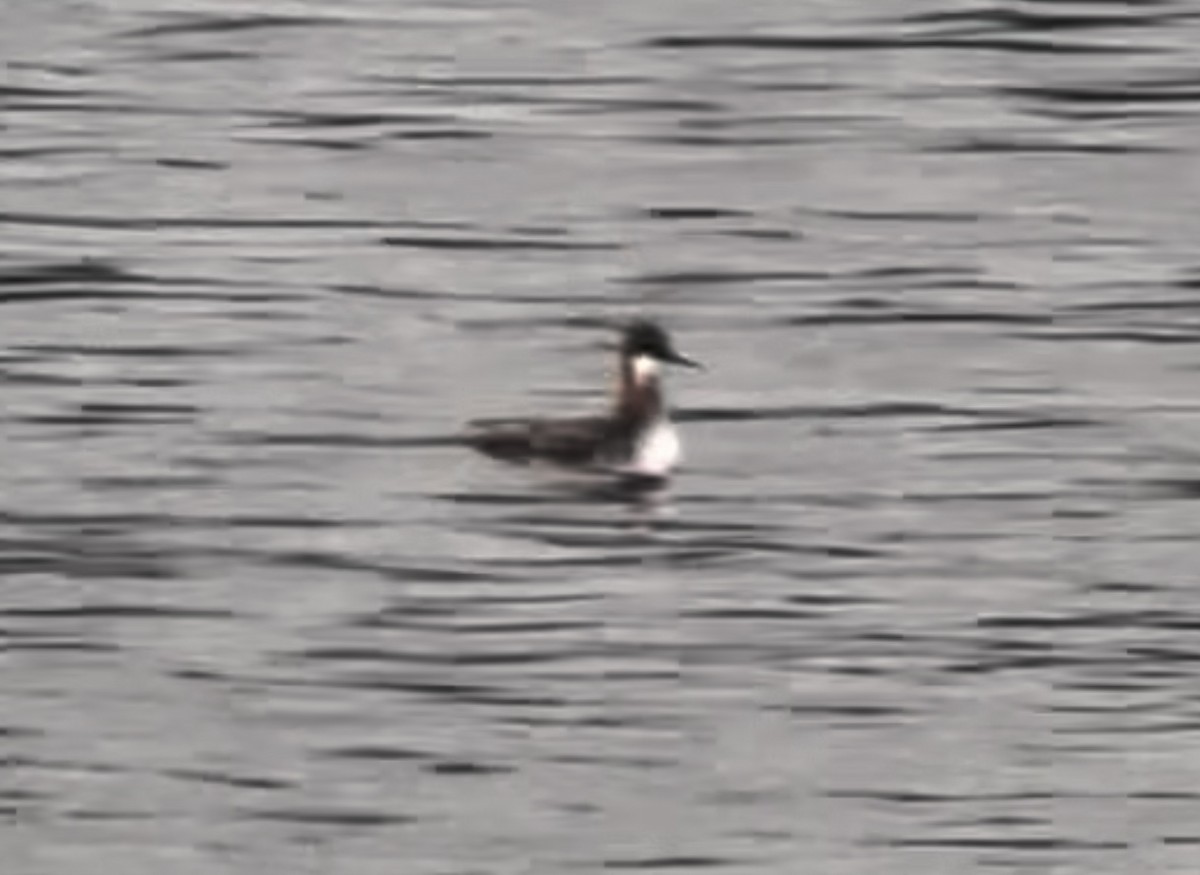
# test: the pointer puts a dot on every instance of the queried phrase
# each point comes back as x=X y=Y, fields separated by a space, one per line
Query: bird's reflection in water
x=646 y=499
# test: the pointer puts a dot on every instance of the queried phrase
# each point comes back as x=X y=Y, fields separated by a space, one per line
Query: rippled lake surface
x=925 y=598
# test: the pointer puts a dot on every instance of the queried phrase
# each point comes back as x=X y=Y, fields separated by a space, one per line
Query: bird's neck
x=639 y=391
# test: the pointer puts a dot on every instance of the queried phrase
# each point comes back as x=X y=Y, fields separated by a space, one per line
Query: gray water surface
x=925 y=598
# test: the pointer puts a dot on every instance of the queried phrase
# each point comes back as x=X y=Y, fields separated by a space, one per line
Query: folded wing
x=564 y=441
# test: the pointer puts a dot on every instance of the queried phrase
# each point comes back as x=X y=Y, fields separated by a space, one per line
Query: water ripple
x=923 y=579
x=880 y=42
x=208 y=23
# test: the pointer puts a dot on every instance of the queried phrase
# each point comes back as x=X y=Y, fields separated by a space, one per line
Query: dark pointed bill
x=678 y=358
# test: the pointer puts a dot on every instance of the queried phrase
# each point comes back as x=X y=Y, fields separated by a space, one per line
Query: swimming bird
x=635 y=438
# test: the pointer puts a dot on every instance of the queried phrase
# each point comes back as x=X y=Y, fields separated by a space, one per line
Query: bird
x=633 y=439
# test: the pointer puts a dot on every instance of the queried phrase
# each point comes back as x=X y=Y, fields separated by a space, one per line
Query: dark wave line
x=154 y=351
x=515 y=80
x=885 y=409
x=22 y=91
x=117 y=483
x=785 y=235
x=1153 y=619
x=20 y=732
x=462 y=693
x=715 y=277
x=1161 y=654
x=1029 y=843
x=986 y=146
x=442 y=134
x=686 y=213
x=21 y=796
x=600 y=721
x=109 y=295
x=80 y=271
x=487 y=296
x=1094 y=94
x=697 y=554
x=342 y=817
x=202 y=56
x=684 y=526
x=905 y=216
x=60 y=645
x=711 y=140
x=608 y=760
x=457 y=658
x=24 y=153
x=1125 y=114
x=467 y=767
x=500 y=499
x=314 y=143
x=1114 y=335
x=70 y=276
x=913 y=797
x=590 y=106
x=191 y=164
x=828 y=599
x=342 y=439
x=143 y=382
x=64 y=765
x=607 y=559
x=126 y=611
x=513 y=627
x=138 y=521
x=760 y=545
x=669 y=862
x=572 y=104
x=109 y=814
x=242 y=782
x=1178 y=487
x=116 y=408
x=1137 y=306
x=84 y=420
x=489 y=243
x=983 y=493
x=157 y=223
x=965 y=317
x=779 y=42
x=994 y=665
x=1015 y=18
x=111 y=108
x=375 y=752
x=352 y=119
x=18 y=378
x=770 y=614
x=399 y=294
x=1003 y=821
x=855 y=712
x=424 y=573
x=933 y=284
x=906 y=271
x=117 y=414
x=441 y=614
x=206 y=24
x=1016 y=424
x=83 y=565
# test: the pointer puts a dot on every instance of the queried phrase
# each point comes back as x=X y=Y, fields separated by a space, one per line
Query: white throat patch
x=645 y=369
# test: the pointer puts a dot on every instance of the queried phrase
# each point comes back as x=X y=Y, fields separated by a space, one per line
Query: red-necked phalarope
x=635 y=438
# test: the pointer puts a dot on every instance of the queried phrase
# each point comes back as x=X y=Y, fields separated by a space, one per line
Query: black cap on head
x=643 y=337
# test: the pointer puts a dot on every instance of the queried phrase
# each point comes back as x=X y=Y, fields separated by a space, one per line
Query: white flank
x=658 y=451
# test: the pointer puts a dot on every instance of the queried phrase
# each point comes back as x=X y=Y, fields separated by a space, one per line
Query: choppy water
x=924 y=600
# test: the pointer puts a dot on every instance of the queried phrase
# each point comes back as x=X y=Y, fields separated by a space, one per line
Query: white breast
x=658 y=450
